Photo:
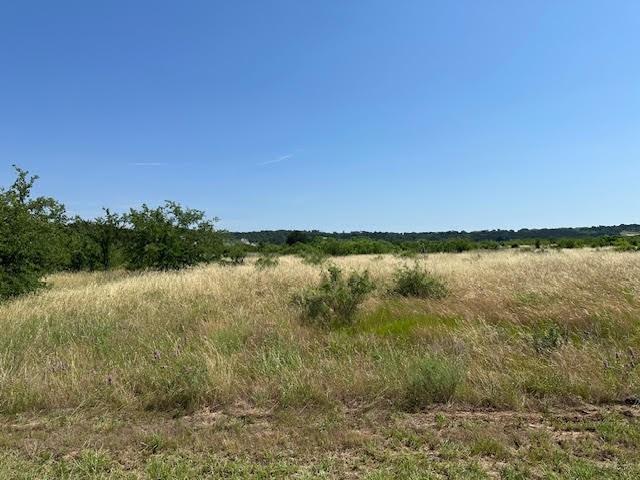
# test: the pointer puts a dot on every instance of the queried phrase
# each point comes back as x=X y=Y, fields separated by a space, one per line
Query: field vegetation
x=150 y=344
x=524 y=365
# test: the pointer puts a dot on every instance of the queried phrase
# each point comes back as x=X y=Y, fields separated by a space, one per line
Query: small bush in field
x=432 y=380
x=266 y=261
x=335 y=301
x=624 y=245
x=417 y=282
x=313 y=256
x=234 y=255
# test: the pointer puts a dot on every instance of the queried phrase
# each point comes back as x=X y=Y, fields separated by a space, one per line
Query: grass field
x=528 y=368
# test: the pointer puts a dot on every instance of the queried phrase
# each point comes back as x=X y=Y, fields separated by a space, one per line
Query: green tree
x=83 y=251
x=106 y=233
x=30 y=236
x=169 y=237
x=297 y=237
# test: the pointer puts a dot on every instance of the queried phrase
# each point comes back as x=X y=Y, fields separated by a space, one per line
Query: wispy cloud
x=148 y=164
x=277 y=160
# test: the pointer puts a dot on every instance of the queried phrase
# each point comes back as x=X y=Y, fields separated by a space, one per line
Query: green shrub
x=335 y=301
x=266 y=261
x=31 y=237
x=432 y=380
x=169 y=237
x=179 y=383
x=297 y=237
x=417 y=282
x=94 y=243
x=624 y=245
x=233 y=255
x=313 y=256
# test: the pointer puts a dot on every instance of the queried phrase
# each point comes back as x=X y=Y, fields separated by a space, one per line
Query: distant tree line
x=38 y=237
x=302 y=243
x=281 y=237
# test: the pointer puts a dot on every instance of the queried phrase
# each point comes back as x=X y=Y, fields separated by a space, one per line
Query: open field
x=528 y=368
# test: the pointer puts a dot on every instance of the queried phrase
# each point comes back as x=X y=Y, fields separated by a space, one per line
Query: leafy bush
x=105 y=234
x=417 y=282
x=84 y=253
x=432 y=380
x=335 y=301
x=569 y=243
x=93 y=244
x=169 y=237
x=625 y=245
x=353 y=246
x=297 y=237
x=31 y=237
x=266 y=261
x=313 y=256
x=234 y=255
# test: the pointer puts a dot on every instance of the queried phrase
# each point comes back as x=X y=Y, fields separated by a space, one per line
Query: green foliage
x=488 y=446
x=92 y=244
x=354 y=246
x=569 y=243
x=313 y=256
x=628 y=244
x=105 y=234
x=547 y=337
x=336 y=299
x=234 y=254
x=417 y=282
x=297 y=236
x=31 y=237
x=169 y=237
x=266 y=261
x=179 y=388
x=432 y=380
x=83 y=251
x=393 y=323
x=356 y=243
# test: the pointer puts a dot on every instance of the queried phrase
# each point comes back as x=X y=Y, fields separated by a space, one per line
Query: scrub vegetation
x=152 y=345
x=527 y=367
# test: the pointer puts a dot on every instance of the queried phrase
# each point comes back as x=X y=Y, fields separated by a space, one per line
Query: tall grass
x=518 y=328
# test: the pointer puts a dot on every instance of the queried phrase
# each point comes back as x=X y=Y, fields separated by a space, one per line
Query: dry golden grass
x=215 y=335
x=94 y=370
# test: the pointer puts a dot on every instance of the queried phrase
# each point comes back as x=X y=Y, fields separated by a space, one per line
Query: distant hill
x=280 y=236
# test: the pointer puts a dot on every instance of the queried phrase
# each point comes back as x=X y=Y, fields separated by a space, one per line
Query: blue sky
x=337 y=115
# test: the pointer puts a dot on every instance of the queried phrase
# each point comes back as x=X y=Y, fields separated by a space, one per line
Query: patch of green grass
x=230 y=339
x=433 y=379
x=488 y=446
x=179 y=383
x=516 y=471
x=156 y=442
x=531 y=298
x=590 y=470
x=618 y=429
x=547 y=336
x=385 y=322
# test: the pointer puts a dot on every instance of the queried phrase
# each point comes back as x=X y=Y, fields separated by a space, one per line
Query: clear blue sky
x=336 y=115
